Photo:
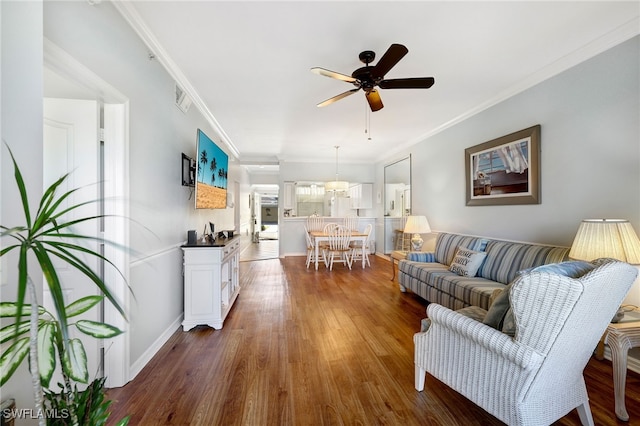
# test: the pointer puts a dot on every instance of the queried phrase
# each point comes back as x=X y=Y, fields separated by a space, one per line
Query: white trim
x=142 y=260
x=153 y=349
x=116 y=196
x=65 y=65
x=130 y=14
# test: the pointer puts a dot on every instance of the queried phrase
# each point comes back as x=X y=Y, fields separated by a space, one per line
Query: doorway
x=65 y=78
x=263 y=242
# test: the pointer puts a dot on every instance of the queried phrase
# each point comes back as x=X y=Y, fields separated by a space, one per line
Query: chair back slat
x=351 y=222
x=339 y=238
x=315 y=223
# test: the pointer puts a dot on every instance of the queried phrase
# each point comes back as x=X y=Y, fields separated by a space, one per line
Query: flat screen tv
x=211 y=174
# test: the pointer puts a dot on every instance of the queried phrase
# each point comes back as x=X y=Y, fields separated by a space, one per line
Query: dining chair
x=329 y=227
x=326 y=229
x=351 y=222
x=356 y=246
x=311 y=247
x=338 y=249
x=315 y=223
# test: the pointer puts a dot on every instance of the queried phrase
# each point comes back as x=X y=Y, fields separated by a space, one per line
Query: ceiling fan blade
x=390 y=58
x=407 y=83
x=333 y=74
x=373 y=97
x=337 y=97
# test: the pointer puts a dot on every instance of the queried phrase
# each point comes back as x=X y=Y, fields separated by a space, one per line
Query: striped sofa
x=428 y=275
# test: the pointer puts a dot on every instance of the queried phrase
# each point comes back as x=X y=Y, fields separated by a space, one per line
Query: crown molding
x=131 y=15
x=607 y=41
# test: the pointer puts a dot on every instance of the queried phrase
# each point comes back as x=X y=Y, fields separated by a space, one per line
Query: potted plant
x=44 y=336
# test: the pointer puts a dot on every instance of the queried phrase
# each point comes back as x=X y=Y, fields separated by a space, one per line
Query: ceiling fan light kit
x=368 y=77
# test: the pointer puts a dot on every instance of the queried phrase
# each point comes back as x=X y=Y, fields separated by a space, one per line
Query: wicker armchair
x=534 y=377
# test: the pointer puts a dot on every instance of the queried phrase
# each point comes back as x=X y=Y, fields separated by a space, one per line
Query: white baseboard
x=141 y=362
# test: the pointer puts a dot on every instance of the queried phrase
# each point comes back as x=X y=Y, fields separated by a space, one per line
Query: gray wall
x=160 y=208
x=590 y=155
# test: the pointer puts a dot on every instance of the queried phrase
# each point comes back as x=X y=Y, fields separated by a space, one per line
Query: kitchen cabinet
x=361 y=196
x=289 y=196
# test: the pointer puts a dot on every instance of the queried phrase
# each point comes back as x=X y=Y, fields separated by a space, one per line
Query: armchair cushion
x=500 y=316
x=473 y=312
x=466 y=262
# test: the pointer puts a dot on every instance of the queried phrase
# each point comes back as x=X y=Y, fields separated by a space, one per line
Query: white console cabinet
x=211 y=282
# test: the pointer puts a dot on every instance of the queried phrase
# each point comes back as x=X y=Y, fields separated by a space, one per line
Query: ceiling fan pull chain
x=367 y=122
x=366 y=119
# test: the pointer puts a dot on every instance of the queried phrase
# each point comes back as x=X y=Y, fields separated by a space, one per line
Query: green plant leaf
x=14 y=232
x=55 y=287
x=46 y=351
x=124 y=422
x=12 y=310
x=11 y=359
x=77 y=263
x=82 y=305
x=75 y=361
x=11 y=331
x=21 y=188
x=45 y=209
x=98 y=329
x=22 y=278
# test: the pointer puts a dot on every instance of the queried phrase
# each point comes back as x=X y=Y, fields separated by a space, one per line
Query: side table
x=396 y=255
x=621 y=337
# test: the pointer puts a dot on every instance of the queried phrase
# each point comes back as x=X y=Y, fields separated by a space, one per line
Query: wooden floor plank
x=306 y=347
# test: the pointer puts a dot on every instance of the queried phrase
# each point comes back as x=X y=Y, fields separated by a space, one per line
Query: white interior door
x=71 y=144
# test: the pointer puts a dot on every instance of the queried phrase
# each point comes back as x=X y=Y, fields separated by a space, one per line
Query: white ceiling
x=246 y=64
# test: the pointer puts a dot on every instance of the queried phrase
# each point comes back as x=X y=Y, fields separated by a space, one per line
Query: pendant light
x=336 y=185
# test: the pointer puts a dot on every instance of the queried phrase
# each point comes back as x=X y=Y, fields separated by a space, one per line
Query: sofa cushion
x=445 y=287
x=447 y=245
x=505 y=259
x=421 y=256
x=467 y=262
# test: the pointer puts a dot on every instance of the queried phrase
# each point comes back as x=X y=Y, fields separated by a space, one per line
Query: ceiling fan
x=368 y=77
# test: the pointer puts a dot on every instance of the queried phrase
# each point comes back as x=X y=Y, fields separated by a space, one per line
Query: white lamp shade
x=613 y=238
x=336 y=186
x=417 y=225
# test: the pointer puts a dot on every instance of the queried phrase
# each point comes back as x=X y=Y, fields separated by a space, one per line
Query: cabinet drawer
x=199 y=256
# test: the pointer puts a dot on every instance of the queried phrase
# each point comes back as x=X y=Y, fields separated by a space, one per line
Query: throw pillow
x=498 y=309
x=466 y=262
x=500 y=315
x=571 y=269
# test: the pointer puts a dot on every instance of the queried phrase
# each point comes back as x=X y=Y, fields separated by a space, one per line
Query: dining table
x=320 y=236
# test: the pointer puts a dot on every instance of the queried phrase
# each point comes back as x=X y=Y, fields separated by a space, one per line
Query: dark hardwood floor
x=306 y=347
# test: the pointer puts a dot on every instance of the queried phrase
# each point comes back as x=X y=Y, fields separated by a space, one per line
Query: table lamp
x=612 y=238
x=417 y=225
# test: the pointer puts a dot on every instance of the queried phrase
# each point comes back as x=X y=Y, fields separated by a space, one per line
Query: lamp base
x=416 y=242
